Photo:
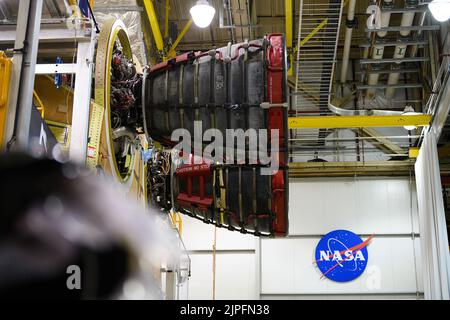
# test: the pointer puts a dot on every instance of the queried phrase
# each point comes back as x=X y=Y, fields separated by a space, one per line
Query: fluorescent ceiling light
x=440 y=9
x=202 y=13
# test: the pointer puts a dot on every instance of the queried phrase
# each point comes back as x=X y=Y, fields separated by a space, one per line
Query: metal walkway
x=318 y=35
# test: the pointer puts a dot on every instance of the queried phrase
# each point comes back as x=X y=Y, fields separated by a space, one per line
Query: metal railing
x=318 y=35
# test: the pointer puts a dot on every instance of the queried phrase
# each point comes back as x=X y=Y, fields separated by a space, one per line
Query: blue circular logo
x=342 y=255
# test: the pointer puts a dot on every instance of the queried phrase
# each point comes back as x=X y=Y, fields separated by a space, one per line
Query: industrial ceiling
x=373 y=83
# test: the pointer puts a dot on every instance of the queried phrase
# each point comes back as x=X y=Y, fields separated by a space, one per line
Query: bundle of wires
x=126 y=86
x=159 y=179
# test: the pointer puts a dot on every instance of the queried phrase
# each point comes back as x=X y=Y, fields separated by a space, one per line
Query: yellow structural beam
x=289 y=12
x=413 y=152
x=151 y=14
x=5 y=77
x=39 y=105
x=350 y=169
x=339 y=122
x=315 y=30
x=166 y=22
x=172 y=52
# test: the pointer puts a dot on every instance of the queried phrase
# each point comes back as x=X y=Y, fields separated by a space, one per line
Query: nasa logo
x=341 y=255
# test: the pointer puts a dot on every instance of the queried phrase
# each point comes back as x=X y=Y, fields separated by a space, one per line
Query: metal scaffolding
x=316 y=54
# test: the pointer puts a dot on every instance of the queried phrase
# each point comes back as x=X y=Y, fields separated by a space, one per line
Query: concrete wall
x=252 y=268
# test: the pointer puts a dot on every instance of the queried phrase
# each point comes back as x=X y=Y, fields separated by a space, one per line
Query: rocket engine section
x=240 y=91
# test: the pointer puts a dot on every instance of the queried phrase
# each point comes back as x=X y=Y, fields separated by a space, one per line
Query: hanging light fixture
x=202 y=13
x=440 y=9
x=409 y=111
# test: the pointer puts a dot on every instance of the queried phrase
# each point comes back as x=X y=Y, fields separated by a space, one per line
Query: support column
x=22 y=81
x=81 y=102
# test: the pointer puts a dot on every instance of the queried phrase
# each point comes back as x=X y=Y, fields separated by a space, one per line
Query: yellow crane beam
x=342 y=122
x=350 y=169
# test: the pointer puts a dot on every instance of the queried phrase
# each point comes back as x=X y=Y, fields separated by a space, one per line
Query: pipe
x=414 y=48
x=400 y=49
x=123 y=132
x=346 y=112
x=378 y=50
x=227 y=6
x=385 y=18
x=373 y=78
x=377 y=54
x=350 y=23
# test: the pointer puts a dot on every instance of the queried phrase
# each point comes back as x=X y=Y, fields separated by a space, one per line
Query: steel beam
x=403 y=10
x=64 y=68
x=394 y=43
x=312 y=33
x=154 y=24
x=172 y=53
x=405 y=28
x=393 y=60
x=388 y=71
x=120 y=9
x=46 y=35
x=81 y=102
x=442 y=106
x=385 y=86
x=289 y=12
x=413 y=152
x=5 y=79
x=22 y=84
x=350 y=169
x=379 y=141
x=342 y=122
x=166 y=19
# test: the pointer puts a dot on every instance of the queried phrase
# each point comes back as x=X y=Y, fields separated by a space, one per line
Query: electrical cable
x=214 y=263
x=97 y=29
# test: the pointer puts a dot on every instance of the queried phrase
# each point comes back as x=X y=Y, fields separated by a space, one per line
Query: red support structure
x=189 y=173
x=275 y=74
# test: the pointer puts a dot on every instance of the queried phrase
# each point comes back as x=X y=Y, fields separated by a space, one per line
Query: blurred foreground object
x=54 y=216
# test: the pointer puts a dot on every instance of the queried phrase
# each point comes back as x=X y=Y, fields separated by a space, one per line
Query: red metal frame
x=275 y=74
x=189 y=173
